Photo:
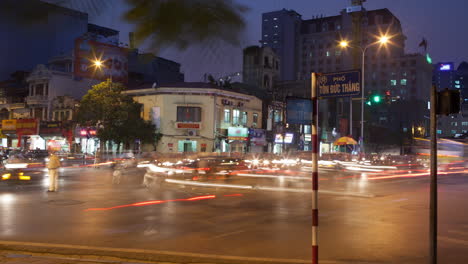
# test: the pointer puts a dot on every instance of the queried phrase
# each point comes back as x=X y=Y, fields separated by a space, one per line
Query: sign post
x=314 y=168
x=342 y=84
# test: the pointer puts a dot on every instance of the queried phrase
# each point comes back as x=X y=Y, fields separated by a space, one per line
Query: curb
x=126 y=255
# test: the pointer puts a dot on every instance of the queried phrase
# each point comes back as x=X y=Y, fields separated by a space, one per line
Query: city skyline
x=225 y=60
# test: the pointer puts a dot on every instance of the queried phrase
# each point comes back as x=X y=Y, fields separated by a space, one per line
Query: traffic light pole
x=433 y=185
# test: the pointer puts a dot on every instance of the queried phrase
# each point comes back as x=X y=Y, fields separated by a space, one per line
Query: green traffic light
x=369 y=103
x=376 y=98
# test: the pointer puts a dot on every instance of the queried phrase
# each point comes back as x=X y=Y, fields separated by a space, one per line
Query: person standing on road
x=53 y=165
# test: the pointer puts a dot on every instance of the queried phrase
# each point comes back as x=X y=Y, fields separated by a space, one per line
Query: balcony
x=37 y=100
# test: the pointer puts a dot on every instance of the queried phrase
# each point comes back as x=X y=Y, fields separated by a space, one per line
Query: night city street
x=377 y=220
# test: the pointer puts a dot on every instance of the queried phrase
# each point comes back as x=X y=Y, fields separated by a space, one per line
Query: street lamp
x=382 y=40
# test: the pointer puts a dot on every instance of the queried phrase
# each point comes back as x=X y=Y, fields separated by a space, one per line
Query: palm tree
x=174 y=23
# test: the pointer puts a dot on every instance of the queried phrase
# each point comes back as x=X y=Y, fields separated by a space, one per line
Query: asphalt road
x=388 y=224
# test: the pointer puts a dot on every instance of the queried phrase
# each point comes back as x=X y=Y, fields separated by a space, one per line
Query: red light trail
x=196 y=198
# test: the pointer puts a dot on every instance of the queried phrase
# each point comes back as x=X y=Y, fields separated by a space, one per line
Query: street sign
x=335 y=84
x=298 y=111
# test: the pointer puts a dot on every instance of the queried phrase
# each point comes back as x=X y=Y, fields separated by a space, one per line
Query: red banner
x=113 y=59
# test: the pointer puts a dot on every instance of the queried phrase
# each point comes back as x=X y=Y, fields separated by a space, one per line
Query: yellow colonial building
x=201 y=117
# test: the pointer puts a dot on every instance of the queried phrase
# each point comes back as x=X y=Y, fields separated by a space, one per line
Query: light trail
x=196 y=198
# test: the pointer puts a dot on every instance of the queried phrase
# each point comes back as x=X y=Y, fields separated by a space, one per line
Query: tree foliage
x=182 y=23
x=116 y=115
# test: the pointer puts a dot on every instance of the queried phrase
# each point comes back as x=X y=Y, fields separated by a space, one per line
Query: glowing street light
x=97 y=63
x=383 y=40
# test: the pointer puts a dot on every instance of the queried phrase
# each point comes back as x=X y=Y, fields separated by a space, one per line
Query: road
x=371 y=217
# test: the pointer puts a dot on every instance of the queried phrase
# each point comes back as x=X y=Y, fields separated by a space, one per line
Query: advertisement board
x=238 y=133
x=288 y=138
x=26 y=126
x=114 y=61
x=257 y=136
x=298 y=111
x=9 y=126
x=337 y=84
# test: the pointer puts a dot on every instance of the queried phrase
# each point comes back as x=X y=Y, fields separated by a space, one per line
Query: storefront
x=54 y=136
x=86 y=140
x=237 y=139
x=20 y=133
x=257 y=140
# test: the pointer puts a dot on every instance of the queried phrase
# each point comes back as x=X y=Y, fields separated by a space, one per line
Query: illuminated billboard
x=445 y=67
x=113 y=61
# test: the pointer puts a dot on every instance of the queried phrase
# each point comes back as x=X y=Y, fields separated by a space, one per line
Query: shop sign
x=308 y=137
x=288 y=138
x=257 y=137
x=1 y=134
x=231 y=103
x=9 y=125
x=238 y=133
x=188 y=125
x=51 y=127
x=26 y=126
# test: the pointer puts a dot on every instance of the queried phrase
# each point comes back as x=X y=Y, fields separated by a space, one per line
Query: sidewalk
x=13 y=257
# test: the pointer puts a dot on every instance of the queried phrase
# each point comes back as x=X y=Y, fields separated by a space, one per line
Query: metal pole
x=362 y=100
x=314 y=169
x=433 y=186
x=351 y=115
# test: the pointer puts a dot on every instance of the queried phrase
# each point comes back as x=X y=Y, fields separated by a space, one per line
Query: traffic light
x=448 y=102
x=376 y=98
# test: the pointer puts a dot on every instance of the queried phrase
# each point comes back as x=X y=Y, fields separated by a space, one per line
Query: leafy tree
x=116 y=115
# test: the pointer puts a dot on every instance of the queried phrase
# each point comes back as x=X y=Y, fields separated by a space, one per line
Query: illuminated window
x=275 y=18
x=188 y=114
x=457 y=82
x=328 y=53
x=338 y=53
x=439 y=131
x=227 y=116
x=244 y=118
x=235 y=116
x=276 y=26
x=457 y=86
x=453 y=131
x=464 y=123
x=255 y=119
x=393 y=82
x=403 y=81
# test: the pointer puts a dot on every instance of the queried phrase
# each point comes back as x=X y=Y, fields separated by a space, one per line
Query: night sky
x=442 y=22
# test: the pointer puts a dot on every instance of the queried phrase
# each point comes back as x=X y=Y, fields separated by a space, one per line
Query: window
x=39 y=89
x=393 y=82
x=403 y=81
x=453 y=123
x=464 y=123
x=277 y=116
x=307 y=129
x=255 y=119
x=244 y=118
x=327 y=53
x=275 y=18
x=56 y=116
x=453 y=131
x=276 y=26
x=338 y=53
x=62 y=116
x=67 y=115
x=188 y=114
x=227 y=115
x=439 y=131
x=235 y=116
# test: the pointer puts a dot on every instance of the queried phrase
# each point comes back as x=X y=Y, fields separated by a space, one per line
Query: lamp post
x=344 y=44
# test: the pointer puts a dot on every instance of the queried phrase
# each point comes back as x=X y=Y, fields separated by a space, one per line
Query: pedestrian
x=53 y=165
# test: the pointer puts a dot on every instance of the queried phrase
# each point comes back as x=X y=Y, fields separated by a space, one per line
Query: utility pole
x=433 y=185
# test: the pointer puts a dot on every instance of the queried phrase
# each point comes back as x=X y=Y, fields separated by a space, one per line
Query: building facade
x=260 y=67
x=200 y=117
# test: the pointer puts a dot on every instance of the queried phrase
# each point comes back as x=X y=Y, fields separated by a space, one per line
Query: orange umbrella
x=345 y=141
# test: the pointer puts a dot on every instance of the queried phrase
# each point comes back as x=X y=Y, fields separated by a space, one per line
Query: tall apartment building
x=280 y=31
x=260 y=67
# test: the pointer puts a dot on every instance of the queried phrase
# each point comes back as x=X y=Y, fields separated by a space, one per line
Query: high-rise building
x=280 y=31
x=29 y=40
x=462 y=79
x=444 y=75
